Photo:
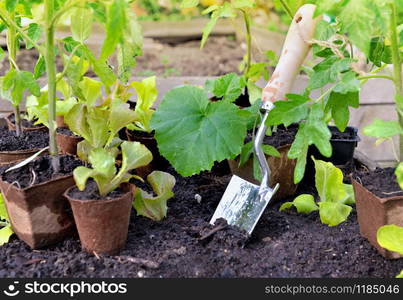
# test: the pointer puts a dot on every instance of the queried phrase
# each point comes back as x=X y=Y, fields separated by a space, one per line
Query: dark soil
x=281 y=137
x=24 y=122
x=140 y=134
x=42 y=168
x=381 y=182
x=28 y=140
x=91 y=193
x=65 y=131
x=348 y=134
x=284 y=244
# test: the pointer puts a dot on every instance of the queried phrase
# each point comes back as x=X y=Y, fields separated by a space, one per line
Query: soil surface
x=27 y=140
x=381 y=182
x=25 y=123
x=42 y=168
x=91 y=193
x=220 y=55
x=65 y=131
x=348 y=134
x=284 y=244
x=282 y=136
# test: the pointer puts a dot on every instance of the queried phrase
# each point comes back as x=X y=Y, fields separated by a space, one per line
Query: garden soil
x=284 y=244
x=28 y=140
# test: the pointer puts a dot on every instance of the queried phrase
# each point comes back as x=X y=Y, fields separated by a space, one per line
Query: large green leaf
x=328 y=71
x=34 y=31
x=390 y=237
x=193 y=133
x=102 y=162
x=91 y=90
x=339 y=105
x=134 y=155
x=120 y=116
x=288 y=112
x=16 y=82
x=304 y=203
x=228 y=87
x=155 y=207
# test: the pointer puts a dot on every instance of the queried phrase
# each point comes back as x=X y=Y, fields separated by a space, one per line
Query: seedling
x=335 y=196
x=16 y=81
x=104 y=172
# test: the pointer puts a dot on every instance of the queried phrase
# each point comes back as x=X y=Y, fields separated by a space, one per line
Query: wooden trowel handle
x=296 y=47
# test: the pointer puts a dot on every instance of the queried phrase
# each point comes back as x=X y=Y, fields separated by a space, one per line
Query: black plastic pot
x=343 y=148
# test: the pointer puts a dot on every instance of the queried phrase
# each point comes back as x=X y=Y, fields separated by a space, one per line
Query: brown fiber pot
x=103 y=224
x=11 y=126
x=282 y=172
x=374 y=212
x=60 y=122
x=67 y=144
x=39 y=213
x=9 y=157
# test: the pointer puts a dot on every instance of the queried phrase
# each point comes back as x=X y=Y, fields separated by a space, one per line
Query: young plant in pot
x=378 y=194
x=34 y=192
x=18 y=141
x=102 y=207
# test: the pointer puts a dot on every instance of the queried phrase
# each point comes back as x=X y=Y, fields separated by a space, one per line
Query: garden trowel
x=243 y=202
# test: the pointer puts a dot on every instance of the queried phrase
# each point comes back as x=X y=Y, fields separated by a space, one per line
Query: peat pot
x=39 y=213
x=282 y=172
x=103 y=224
x=67 y=143
x=11 y=125
x=9 y=157
x=374 y=212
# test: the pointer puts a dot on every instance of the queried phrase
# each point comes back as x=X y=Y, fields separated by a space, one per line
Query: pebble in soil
x=284 y=244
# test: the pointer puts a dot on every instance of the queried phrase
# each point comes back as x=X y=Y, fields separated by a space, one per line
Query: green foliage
x=201 y=132
x=335 y=196
x=228 y=87
x=104 y=172
x=5 y=232
x=390 y=237
x=155 y=207
x=383 y=129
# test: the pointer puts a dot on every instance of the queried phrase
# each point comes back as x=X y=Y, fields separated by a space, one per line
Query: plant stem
x=397 y=70
x=12 y=57
x=248 y=43
x=287 y=8
x=51 y=77
x=366 y=77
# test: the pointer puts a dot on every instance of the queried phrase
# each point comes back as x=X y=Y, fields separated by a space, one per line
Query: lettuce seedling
x=103 y=167
x=390 y=237
x=336 y=197
x=5 y=231
x=147 y=94
x=155 y=207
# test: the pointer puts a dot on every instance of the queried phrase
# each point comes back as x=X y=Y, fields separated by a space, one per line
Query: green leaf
x=349 y=199
x=81 y=23
x=254 y=92
x=339 y=105
x=115 y=27
x=333 y=213
x=379 y=52
x=5 y=234
x=155 y=207
x=3 y=210
x=201 y=132
x=189 y=3
x=328 y=71
x=390 y=237
x=399 y=175
x=303 y=203
x=34 y=31
x=348 y=83
x=64 y=106
x=40 y=67
x=299 y=151
x=91 y=90
x=147 y=94
x=134 y=155
x=270 y=150
x=329 y=182
x=2 y=54
x=228 y=87
x=102 y=162
x=288 y=112
x=383 y=129
x=400 y=275
x=81 y=175
x=19 y=81
x=246 y=152
x=244 y=4
x=11 y=5
x=119 y=117
x=76 y=119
